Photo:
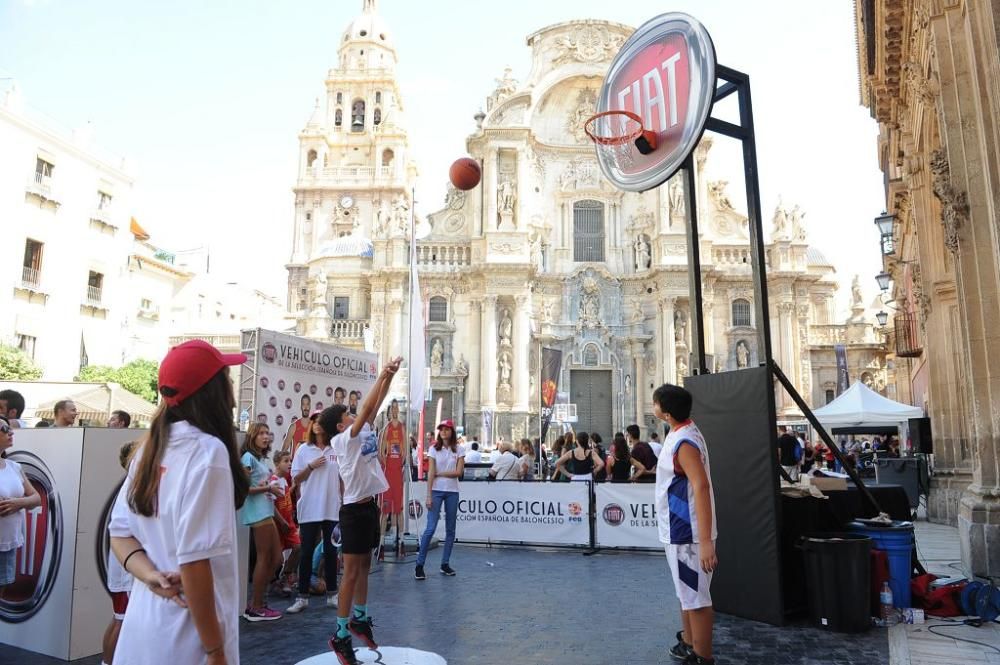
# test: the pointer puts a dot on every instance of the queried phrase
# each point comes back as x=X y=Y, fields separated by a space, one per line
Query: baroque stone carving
x=506 y=197
x=505 y=328
x=920 y=296
x=454 y=198
x=954 y=202
x=587 y=44
x=677 y=198
x=506 y=86
x=586 y=106
x=742 y=354
x=504 y=367
x=437 y=357
x=642 y=254
x=590 y=305
x=462 y=366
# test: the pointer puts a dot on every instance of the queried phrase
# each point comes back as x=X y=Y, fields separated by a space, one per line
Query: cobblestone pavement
x=536 y=608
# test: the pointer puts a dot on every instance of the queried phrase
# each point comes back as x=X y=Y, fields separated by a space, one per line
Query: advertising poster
x=626 y=516
x=515 y=512
x=551 y=364
x=843 y=377
x=296 y=376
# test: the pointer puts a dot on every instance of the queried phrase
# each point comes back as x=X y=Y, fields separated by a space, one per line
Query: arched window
x=591 y=356
x=588 y=231
x=358 y=115
x=377 y=117
x=338 y=118
x=438 y=309
x=340 y=98
x=310 y=158
x=378 y=97
x=741 y=313
x=387 y=157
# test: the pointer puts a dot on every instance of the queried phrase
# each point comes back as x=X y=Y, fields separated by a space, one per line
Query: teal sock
x=342 y=631
x=360 y=612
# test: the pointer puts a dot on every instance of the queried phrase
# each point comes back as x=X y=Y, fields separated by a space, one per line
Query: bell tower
x=353 y=183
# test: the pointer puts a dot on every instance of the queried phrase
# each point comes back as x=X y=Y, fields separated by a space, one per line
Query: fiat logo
x=269 y=352
x=416 y=509
x=37 y=561
x=613 y=514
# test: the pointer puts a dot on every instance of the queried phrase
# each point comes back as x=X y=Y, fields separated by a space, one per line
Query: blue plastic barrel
x=897 y=542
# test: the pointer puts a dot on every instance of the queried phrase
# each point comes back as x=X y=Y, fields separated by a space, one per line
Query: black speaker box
x=920 y=434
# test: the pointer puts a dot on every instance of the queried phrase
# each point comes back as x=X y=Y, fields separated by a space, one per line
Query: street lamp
x=885 y=222
x=882 y=317
x=883 y=279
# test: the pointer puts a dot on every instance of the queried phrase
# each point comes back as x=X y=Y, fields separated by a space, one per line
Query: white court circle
x=381 y=656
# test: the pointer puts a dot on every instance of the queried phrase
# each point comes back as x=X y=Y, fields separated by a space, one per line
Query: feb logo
x=416 y=509
x=269 y=352
x=37 y=561
x=613 y=514
x=575 y=509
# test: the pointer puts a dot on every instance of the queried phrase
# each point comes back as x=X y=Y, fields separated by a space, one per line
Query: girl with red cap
x=446 y=465
x=173 y=526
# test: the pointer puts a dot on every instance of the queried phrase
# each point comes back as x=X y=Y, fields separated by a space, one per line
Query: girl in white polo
x=173 y=526
x=16 y=494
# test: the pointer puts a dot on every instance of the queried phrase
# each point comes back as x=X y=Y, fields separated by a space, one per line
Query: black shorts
x=359 y=527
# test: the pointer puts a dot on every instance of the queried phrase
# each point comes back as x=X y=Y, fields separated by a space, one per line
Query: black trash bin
x=838 y=581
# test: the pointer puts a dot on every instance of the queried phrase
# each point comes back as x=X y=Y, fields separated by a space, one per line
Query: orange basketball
x=464 y=173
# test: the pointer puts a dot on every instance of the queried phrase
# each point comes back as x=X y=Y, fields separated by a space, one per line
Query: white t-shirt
x=657 y=447
x=503 y=467
x=319 y=494
x=674 y=494
x=445 y=460
x=196 y=521
x=118 y=580
x=359 y=465
x=473 y=457
x=11 y=487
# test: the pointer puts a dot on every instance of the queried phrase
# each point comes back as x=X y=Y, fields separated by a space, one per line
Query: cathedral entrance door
x=590 y=390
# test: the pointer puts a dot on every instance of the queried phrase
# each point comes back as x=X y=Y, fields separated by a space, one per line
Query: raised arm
x=369 y=408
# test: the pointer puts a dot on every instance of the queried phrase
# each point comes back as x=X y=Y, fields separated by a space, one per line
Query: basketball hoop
x=617 y=134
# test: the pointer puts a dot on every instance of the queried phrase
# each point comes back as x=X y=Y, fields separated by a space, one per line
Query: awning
x=860 y=406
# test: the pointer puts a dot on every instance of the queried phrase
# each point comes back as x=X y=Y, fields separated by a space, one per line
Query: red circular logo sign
x=416 y=509
x=613 y=514
x=269 y=352
x=665 y=74
x=37 y=561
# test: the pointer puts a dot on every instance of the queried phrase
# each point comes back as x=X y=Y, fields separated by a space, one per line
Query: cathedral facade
x=544 y=252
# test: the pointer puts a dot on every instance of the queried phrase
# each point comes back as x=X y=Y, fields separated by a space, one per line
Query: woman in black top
x=582 y=460
x=620 y=463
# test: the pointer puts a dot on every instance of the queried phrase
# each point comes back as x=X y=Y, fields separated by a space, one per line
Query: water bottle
x=885 y=600
x=244 y=419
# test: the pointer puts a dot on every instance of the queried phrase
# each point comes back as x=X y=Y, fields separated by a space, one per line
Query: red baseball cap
x=447 y=423
x=189 y=366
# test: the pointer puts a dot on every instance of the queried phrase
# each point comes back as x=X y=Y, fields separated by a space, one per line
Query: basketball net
x=614 y=133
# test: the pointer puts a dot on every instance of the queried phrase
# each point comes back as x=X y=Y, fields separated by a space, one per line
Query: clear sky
x=206 y=100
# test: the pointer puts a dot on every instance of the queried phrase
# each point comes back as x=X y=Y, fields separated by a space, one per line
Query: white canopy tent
x=860 y=406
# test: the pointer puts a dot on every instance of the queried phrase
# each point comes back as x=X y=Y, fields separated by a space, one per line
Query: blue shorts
x=7 y=567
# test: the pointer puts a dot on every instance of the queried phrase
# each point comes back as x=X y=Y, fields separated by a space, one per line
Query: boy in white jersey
x=355 y=445
x=685 y=507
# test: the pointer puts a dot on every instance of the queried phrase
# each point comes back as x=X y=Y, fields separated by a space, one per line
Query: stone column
x=785 y=316
x=491 y=176
x=668 y=349
x=459 y=401
x=475 y=355
x=639 y=390
x=489 y=352
x=522 y=348
x=395 y=323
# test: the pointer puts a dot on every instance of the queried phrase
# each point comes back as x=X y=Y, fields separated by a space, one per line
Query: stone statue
x=682 y=370
x=437 y=358
x=505 y=197
x=506 y=326
x=642 y=254
x=637 y=314
x=798 y=229
x=680 y=326
x=567 y=179
x=677 y=202
x=505 y=368
x=717 y=190
x=742 y=354
x=547 y=314
x=628 y=384
x=780 y=221
x=462 y=367
x=319 y=298
x=401 y=213
x=590 y=303
x=382 y=216
x=856 y=297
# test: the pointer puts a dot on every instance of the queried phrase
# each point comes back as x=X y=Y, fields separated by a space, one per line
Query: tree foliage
x=15 y=365
x=138 y=377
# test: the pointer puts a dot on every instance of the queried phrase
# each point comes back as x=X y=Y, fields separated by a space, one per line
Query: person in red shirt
x=285 y=519
x=393 y=454
x=299 y=430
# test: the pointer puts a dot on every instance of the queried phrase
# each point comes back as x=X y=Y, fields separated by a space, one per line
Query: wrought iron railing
x=905 y=330
x=30 y=278
x=94 y=295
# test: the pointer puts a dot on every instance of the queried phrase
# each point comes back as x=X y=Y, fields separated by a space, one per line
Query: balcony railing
x=102 y=215
x=225 y=343
x=731 y=256
x=349 y=172
x=348 y=328
x=432 y=256
x=907 y=336
x=40 y=185
x=30 y=278
x=821 y=335
x=94 y=295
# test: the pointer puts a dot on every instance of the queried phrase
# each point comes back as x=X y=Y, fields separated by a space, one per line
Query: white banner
x=296 y=376
x=626 y=516
x=535 y=513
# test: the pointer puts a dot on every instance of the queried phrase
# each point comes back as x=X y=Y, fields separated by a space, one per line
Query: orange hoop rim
x=614 y=140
